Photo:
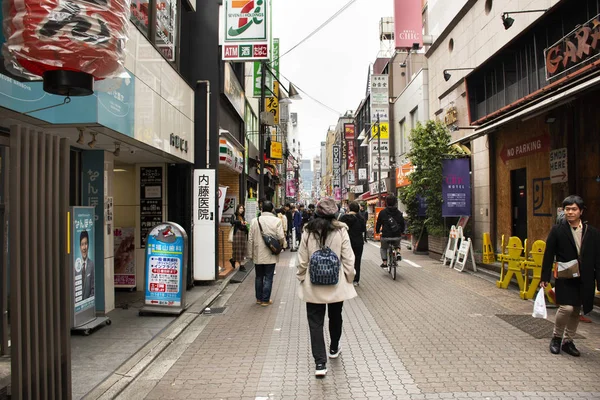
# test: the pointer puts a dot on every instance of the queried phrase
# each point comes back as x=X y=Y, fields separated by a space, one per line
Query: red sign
x=348 y=131
x=525 y=148
x=402 y=172
x=83 y=36
x=351 y=156
x=408 y=23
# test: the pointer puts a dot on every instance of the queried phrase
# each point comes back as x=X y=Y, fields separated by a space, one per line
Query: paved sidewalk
x=432 y=333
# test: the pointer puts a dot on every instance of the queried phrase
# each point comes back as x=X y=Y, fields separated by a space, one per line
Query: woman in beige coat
x=325 y=230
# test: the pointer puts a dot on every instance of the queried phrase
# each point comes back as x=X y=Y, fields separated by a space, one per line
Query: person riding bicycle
x=392 y=221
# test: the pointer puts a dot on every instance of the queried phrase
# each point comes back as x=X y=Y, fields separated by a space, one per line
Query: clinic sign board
x=83 y=257
x=246 y=36
x=165 y=268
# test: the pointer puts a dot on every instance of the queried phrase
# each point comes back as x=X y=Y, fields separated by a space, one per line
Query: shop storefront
x=541 y=122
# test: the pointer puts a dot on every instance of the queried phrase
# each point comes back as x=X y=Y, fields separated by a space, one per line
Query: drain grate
x=214 y=310
x=536 y=327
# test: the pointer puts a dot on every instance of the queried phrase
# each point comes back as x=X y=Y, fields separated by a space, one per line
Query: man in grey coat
x=572 y=242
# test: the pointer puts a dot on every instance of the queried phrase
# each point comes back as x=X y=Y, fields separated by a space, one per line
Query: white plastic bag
x=230 y=238
x=539 y=306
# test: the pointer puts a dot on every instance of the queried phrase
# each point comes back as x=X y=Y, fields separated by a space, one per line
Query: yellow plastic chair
x=513 y=258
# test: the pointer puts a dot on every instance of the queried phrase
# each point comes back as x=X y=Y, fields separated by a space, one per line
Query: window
x=403 y=138
x=414 y=118
x=158 y=21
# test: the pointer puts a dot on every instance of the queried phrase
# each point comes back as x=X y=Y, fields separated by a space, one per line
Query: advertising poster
x=228 y=209
x=222 y=194
x=151 y=180
x=166 y=20
x=83 y=256
x=164 y=262
x=456 y=188
x=125 y=257
x=251 y=209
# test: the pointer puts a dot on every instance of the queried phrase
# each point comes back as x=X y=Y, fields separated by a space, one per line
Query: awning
x=550 y=102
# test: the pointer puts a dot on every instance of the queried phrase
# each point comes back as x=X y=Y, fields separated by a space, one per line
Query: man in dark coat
x=364 y=214
x=392 y=222
x=356 y=228
x=568 y=241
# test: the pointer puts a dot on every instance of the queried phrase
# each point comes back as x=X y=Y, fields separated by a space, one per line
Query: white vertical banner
x=203 y=225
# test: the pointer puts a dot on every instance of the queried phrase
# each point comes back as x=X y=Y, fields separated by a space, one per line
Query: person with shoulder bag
x=326 y=272
x=390 y=223
x=573 y=256
x=240 y=237
x=266 y=228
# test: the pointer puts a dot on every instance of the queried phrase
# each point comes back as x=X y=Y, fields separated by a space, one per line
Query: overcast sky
x=332 y=66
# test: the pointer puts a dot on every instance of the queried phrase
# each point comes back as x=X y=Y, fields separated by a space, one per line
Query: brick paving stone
x=432 y=333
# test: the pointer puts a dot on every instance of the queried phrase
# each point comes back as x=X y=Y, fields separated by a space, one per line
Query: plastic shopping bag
x=539 y=306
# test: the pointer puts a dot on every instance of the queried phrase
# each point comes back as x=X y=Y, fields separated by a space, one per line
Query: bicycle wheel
x=389 y=260
x=393 y=269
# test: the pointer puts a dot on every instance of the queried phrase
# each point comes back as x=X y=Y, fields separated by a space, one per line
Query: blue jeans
x=263 y=283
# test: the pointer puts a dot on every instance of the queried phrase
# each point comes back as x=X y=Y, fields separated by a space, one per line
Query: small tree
x=430 y=144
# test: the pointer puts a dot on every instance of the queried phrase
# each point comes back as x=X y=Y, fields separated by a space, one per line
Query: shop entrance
x=518 y=187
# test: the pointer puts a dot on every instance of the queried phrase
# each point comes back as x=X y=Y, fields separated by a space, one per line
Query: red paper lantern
x=68 y=43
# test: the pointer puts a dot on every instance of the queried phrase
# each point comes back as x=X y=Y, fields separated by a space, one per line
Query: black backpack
x=324 y=267
x=392 y=224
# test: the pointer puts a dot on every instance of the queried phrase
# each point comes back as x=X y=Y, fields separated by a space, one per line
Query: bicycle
x=393 y=257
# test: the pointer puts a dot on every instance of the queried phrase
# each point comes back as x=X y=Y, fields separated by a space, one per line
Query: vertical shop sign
x=83 y=267
x=408 y=24
x=272 y=103
x=125 y=257
x=456 y=188
x=205 y=194
x=165 y=265
x=336 y=165
x=251 y=209
x=151 y=205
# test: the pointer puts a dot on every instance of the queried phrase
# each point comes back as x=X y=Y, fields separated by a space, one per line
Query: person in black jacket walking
x=572 y=242
x=364 y=214
x=392 y=222
x=356 y=228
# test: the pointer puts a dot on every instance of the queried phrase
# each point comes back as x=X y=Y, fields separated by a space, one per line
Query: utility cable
x=323 y=25
x=311 y=97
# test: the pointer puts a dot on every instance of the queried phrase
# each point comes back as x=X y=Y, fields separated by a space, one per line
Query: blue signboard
x=112 y=108
x=456 y=188
x=164 y=263
x=92 y=184
x=83 y=263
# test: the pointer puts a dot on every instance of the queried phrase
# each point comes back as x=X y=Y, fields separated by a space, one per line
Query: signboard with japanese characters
x=349 y=131
x=351 y=155
x=384 y=143
x=203 y=223
x=166 y=263
x=272 y=103
x=351 y=177
x=362 y=173
x=337 y=172
x=246 y=30
x=151 y=204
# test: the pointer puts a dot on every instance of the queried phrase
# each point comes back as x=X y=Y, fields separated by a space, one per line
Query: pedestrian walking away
x=322 y=236
x=356 y=229
x=364 y=214
x=392 y=222
x=264 y=259
x=575 y=246
x=240 y=238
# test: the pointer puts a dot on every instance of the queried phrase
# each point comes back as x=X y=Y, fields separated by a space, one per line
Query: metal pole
x=379 y=158
x=261 y=136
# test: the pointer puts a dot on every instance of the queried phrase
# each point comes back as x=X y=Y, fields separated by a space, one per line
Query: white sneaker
x=321 y=370
x=335 y=354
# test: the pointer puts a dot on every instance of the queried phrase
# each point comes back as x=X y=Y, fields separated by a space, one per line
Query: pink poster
x=291 y=188
x=338 y=194
x=408 y=23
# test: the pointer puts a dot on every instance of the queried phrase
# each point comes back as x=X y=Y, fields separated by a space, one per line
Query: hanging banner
x=291 y=188
x=151 y=205
x=222 y=194
x=349 y=131
x=456 y=188
x=337 y=173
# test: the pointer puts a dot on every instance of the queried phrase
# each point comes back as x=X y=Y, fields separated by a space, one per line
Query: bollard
x=488 y=253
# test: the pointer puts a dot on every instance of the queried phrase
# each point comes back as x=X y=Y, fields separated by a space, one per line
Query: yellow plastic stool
x=533 y=264
x=514 y=260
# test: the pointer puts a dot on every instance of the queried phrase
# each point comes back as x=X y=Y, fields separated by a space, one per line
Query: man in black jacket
x=356 y=227
x=364 y=214
x=574 y=244
x=392 y=221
